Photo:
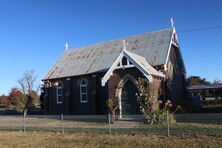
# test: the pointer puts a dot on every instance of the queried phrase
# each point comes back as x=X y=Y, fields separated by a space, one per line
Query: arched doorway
x=129 y=104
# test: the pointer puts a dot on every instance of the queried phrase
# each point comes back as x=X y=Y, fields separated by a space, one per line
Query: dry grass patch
x=51 y=139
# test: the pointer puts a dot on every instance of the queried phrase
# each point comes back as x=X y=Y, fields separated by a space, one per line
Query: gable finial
x=172 y=22
x=67 y=46
x=124 y=45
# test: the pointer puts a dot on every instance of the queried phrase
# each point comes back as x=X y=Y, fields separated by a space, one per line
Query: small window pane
x=60 y=91
x=124 y=61
x=59 y=98
x=59 y=94
x=83 y=89
x=83 y=82
x=84 y=97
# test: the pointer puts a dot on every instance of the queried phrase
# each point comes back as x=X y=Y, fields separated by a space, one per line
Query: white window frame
x=59 y=95
x=121 y=66
x=82 y=93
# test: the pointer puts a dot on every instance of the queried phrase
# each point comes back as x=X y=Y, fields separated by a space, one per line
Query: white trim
x=120 y=104
x=81 y=93
x=169 y=49
x=120 y=87
x=146 y=74
x=175 y=44
x=112 y=68
x=119 y=60
x=124 y=66
x=59 y=95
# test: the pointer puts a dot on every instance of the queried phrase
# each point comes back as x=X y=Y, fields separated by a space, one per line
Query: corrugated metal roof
x=99 y=57
x=144 y=64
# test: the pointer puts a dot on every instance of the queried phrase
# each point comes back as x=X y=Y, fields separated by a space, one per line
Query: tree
x=14 y=93
x=197 y=80
x=19 y=102
x=29 y=88
x=217 y=81
x=112 y=106
x=2 y=99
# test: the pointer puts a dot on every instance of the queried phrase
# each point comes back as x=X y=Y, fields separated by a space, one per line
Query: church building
x=84 y=78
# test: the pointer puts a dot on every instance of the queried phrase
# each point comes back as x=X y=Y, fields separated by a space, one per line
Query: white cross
x=172 y=22
x=124 y=45
x=67 y=46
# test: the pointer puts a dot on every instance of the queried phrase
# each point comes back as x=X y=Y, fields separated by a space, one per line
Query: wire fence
x=184 y=124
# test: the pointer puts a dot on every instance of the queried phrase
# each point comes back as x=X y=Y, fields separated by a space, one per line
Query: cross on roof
x=172 y=22
x=124 y=45
x=67 y=46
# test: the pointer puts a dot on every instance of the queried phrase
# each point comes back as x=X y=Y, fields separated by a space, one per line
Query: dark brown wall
x=71 y=96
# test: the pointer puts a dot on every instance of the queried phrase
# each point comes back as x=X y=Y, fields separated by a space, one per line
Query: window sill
x=83 y=101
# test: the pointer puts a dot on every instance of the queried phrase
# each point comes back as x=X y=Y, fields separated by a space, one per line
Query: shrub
x=19 y=103
x=148 y=99
x=160 y=115
x=112 y=106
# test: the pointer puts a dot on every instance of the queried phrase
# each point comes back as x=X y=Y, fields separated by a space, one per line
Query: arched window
x=59 y=92
x=83 y=92
x=124 y=61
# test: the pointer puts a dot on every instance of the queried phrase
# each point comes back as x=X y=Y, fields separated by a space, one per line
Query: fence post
x=24 y=115
x=168 y=125
x=114 y=117
x=109 y=123
x=62 y=126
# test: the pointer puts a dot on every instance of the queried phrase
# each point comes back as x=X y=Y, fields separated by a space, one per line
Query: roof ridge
x=131 y=36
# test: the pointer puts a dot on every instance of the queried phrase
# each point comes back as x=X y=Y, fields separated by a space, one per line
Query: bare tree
x=29 y=88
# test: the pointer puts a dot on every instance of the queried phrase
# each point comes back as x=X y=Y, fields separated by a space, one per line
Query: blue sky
x=33 y=32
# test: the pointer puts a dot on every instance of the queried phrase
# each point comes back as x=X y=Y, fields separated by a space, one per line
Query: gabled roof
x=138 y=61
x=142 y=62
x=99 y=57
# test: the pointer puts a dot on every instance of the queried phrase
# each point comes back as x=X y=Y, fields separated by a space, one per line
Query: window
x=59 y=91
x=124 y=61
x=83 y=91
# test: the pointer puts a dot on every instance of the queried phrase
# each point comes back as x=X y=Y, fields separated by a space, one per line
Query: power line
x=200 y=29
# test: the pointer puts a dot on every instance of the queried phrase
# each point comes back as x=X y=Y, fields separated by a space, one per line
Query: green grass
x=76 y=125
x=178 y=130
x=72 y=140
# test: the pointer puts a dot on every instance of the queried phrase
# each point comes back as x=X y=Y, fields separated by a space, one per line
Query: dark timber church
x=84 y=78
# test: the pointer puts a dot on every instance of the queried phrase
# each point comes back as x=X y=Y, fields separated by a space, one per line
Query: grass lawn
x=73 y=125
x=51 y=139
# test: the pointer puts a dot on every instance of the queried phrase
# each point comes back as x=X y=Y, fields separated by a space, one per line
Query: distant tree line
x=197 y=80
x=25 y=96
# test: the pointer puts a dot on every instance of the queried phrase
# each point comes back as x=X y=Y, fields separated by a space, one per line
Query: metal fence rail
x=186 y=124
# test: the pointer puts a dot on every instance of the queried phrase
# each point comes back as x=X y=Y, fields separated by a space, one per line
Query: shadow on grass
x=6 y=110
